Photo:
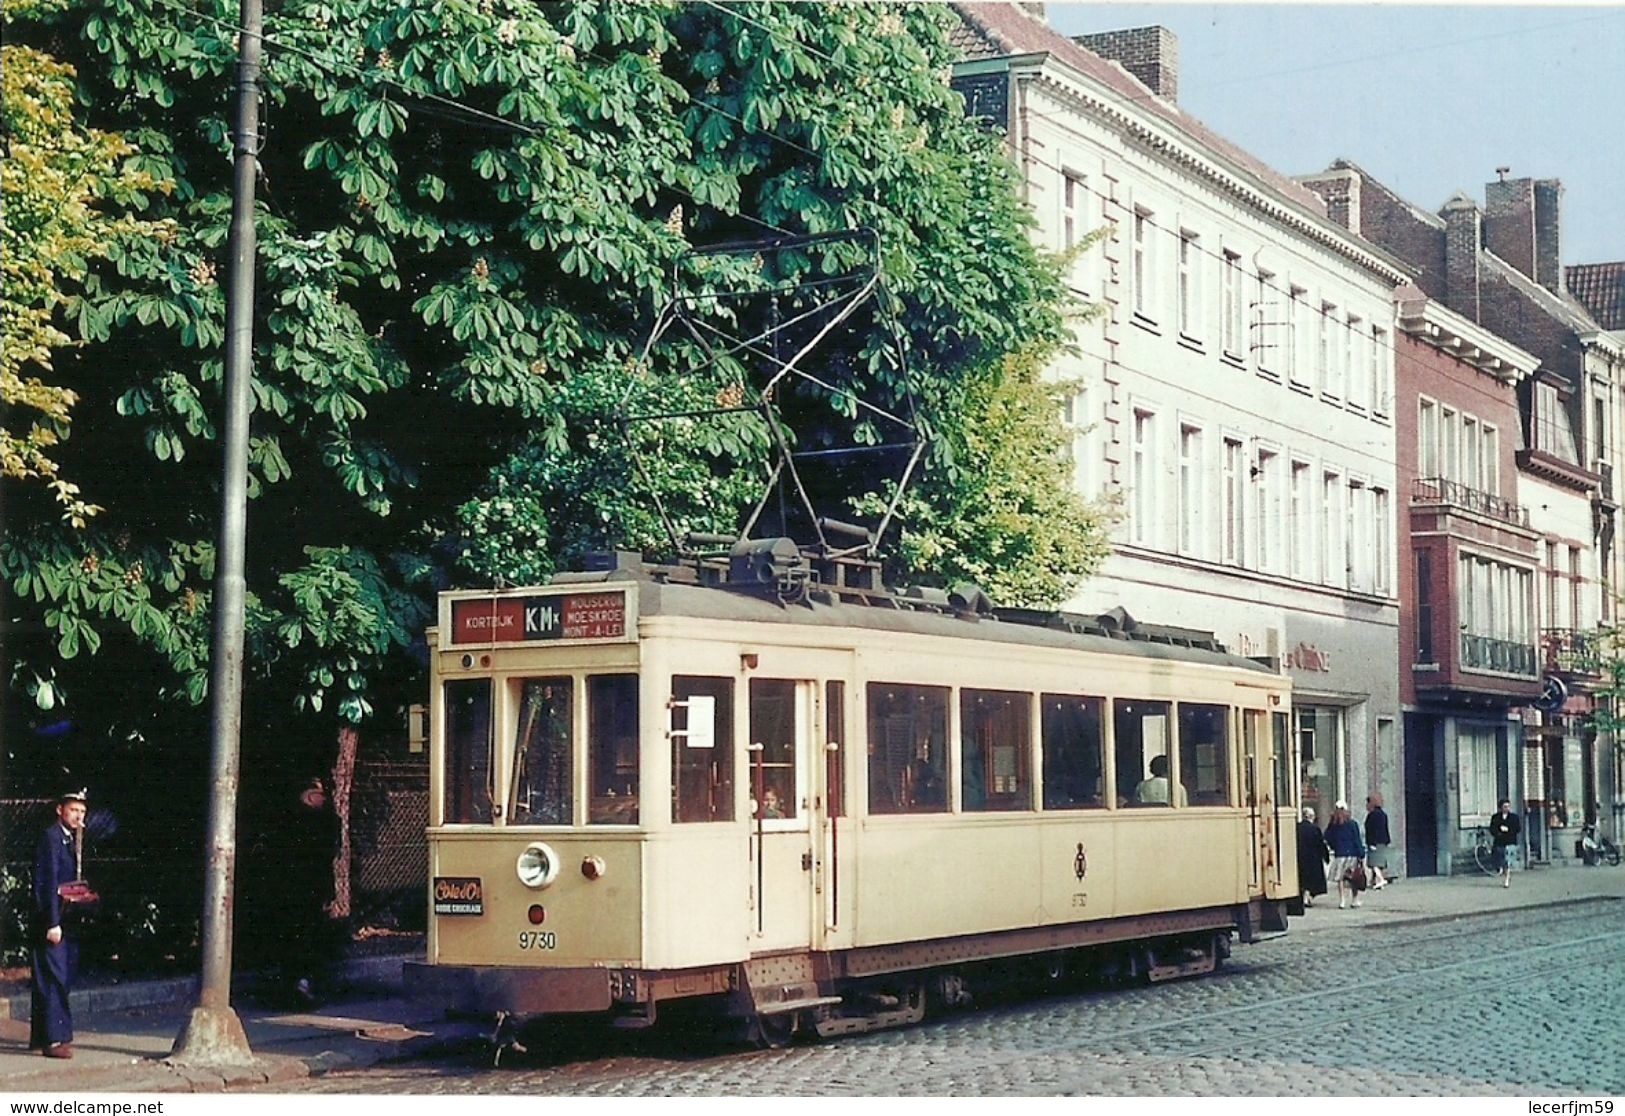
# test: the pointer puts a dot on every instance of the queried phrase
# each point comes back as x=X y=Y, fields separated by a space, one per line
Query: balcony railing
x=1438 y=490
x=1571 y=651
x=1484 y=653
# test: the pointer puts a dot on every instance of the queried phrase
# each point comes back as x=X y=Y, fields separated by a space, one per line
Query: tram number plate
x=1080 y=898
x=538 y=939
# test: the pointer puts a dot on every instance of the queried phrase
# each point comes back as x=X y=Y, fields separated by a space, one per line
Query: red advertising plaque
x=524 y=619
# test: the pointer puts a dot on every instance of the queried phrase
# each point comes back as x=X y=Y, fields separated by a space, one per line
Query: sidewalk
x=123 y=1032
x=1445 y=898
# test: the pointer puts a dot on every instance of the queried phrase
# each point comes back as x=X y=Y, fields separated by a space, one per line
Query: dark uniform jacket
x=54 y=865
x=1505 y=829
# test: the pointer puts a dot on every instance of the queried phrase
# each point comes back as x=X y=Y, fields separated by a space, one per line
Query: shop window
x=702 y=749
x=1144 y=775
x=612 y=749
x=1320 y=731
x=996 y=731
x=540 y=793
x=1074 y=753
x=1204 y=753
x=773 y=748
x=469 y=748
x=908 y=749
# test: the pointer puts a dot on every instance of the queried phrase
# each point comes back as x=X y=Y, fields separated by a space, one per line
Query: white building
x=1236 y=395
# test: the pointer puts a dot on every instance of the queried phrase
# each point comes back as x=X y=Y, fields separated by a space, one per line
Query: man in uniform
x=55 y=953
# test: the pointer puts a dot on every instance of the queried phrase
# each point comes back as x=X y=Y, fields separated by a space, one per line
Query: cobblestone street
x=1487 y=1003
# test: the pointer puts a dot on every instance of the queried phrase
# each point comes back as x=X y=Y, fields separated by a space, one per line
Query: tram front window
x=541 y=766
x=773 y=726
x=469 y=745
x=702 y=762
x=1074 y=756
x=997 y=732
x=1204 y=753
x=612 y=749
x=908 y=749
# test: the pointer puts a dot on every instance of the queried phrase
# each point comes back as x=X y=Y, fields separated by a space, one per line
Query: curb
x=380 y=971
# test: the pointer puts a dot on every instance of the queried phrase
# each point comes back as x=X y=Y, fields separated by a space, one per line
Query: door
x=785 y=812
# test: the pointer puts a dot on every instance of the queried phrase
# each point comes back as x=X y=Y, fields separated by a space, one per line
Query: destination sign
x=523 y=619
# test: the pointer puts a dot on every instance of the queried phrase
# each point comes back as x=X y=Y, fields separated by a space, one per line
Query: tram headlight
x=537 y=866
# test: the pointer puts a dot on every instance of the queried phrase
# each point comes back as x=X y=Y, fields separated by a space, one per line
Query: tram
x=817 y=806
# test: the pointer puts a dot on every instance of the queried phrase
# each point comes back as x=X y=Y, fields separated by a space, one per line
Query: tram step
x=788 y=1006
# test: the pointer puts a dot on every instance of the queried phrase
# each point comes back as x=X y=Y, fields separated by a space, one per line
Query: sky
x=1428 y=99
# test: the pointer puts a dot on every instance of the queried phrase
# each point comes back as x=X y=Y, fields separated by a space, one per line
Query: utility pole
x=212 y=1034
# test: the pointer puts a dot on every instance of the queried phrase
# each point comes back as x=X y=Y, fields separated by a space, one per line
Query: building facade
x=1236 y=392
x=1498 y=267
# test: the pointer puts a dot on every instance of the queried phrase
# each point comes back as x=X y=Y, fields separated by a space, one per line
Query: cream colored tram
x=822 y=814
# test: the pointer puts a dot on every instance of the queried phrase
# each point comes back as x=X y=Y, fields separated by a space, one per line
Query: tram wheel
x=772 y=1032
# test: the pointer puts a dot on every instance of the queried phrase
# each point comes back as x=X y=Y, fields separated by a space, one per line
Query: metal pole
x=213 y=1035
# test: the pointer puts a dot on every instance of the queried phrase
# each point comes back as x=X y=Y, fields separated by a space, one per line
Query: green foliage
x=467 y=214
x=1007 y=516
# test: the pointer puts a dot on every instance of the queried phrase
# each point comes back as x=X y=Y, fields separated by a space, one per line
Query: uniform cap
x=80 y=795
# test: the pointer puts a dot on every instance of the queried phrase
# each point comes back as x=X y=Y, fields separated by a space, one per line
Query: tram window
x=542 y=747
x=996 y=737
x=1204 y=753
x=1143 y=776
x=1074 y=755
x=908 y=749
x=469 y=745
x=1281 y=759
x=773 y=726
x=835 y=733
x=612 y=749
x=702 y=766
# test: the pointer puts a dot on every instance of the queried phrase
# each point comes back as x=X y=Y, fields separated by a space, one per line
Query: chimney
x=1509 y=221
x=1549 y=234
x=1340 y=190
x=1463 y=243
x=1149 y=53
x=1036 y=10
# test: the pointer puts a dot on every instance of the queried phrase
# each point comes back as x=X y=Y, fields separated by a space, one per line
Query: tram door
x=785 y=812
x=1260 y=797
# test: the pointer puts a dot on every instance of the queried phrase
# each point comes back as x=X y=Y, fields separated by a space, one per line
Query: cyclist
x=1504 y=829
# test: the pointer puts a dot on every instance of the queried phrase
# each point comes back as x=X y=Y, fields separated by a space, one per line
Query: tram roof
x=1110 y=634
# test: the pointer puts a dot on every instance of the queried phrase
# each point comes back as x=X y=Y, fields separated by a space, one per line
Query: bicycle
x=1484 y=852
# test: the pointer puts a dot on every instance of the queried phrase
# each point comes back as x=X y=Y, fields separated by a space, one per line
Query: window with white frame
x=1333 y=567
x=1082 y=446
x=1490 y=470
x=1359 y=391
x=1300 y=526
x=1189 y=291
x=1382 y=389
x=1144 y=252
x=1233 y=502
x=1383 y=540
x=1267 y=329
x=1076 y=224
x=1470 y=452
x=1450 y=429
x=1554 y=434
x=1143 y=477
x=1330 y=349
x=1427 y=437
x=1268 y=484
x=1235 y=322
x=1299 y=370
x=1357 y=537
x=1192 y=498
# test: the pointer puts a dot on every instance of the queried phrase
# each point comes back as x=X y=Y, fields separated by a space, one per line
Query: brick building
x=1498 y=266
x=1237 y=392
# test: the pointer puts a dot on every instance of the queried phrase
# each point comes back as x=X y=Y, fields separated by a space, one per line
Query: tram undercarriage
x=777 y=997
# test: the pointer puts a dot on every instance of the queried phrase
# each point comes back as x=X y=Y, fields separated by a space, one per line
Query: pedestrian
x=311 y=840
x=54 y=944
x=1313 y=854
x=1377 y=840
x=1504 y=829
x=1348 y=852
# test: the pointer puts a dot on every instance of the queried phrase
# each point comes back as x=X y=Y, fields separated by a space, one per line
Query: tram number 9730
x=538 y=939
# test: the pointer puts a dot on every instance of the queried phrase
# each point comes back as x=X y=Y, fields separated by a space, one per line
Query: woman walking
x=1312 y=857
x=1348 y=850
